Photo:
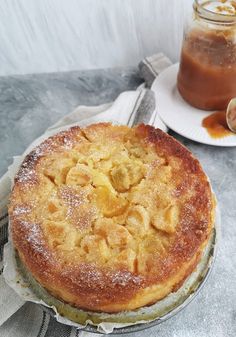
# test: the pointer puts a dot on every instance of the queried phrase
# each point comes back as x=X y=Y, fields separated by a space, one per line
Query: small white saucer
x=178 y=115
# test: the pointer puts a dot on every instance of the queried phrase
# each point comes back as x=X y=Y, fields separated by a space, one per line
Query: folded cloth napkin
x=151 y=67
x=131 y=108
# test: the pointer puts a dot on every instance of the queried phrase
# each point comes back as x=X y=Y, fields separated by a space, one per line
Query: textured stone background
x=60 y=35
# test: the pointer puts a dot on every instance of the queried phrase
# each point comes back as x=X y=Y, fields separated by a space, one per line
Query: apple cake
x=110 y=218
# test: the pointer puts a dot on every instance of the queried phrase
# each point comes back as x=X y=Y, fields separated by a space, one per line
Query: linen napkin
x=131 y=108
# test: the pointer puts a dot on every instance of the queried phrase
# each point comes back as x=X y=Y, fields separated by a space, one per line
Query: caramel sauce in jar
x=207 y=74
x=216 y=125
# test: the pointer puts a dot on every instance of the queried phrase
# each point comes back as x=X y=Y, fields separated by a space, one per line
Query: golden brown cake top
x=105 y=211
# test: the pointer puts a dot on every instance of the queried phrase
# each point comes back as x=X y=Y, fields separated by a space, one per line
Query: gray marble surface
x=29 y=104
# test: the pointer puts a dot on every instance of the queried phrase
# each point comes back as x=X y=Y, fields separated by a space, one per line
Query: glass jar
x=207 y=74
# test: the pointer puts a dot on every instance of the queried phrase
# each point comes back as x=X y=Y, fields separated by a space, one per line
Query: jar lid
x=225 y=7
x=222 y=11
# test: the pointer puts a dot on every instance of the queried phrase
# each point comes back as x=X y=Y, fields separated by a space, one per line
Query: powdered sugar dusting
x=21 y=209
x=78 y=211
x=34 y=236
x=122 y=278
x=68 y=142
x=65 y=139
x=27 y=173
x=91 y=276
x=71 y=197
x=81 y=218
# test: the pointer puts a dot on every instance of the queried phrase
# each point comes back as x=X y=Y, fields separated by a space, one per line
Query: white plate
x=178 y=115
